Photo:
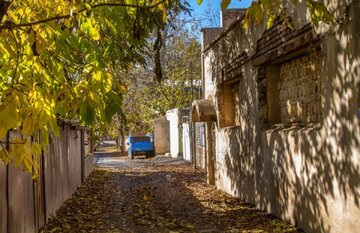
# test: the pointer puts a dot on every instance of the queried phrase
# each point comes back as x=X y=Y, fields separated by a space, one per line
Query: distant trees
x=57 y=61
x=149 y=96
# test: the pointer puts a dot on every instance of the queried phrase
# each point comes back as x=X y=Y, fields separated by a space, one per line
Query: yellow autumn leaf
x=32 y=37
x=44 y=138
x=67 y=23
x=123 y=88
x=35 y=148
x=107 y=82
x=97 y=75
x=28 y=50
x=4 y=155
x=94 y=34
x=54 y=126
x=9 y=115
x=225 y=4
x=164 y=14
x=43 y=118
x=28 y=125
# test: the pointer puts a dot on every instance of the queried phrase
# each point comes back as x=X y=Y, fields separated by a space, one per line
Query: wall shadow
x=159 y=200
x=308 y=174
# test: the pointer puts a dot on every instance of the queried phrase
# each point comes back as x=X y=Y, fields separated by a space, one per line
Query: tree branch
x=4 y=5
x=10 y=25
x=164 y=94
x=157 y=61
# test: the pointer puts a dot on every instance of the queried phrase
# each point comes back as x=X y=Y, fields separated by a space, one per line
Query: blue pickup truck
x=140 y=145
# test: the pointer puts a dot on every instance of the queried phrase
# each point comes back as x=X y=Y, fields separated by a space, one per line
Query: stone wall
x=305 y=173
x=200 y=145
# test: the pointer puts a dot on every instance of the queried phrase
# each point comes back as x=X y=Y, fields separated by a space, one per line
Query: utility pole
x=192 y=125
x=191 y=80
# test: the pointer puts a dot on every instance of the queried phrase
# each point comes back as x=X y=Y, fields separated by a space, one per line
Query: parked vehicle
x=140 y=145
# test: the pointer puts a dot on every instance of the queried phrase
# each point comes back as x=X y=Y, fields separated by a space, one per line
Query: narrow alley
x=160 y=194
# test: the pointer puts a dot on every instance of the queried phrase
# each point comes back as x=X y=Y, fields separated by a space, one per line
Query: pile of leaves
x=158 y=199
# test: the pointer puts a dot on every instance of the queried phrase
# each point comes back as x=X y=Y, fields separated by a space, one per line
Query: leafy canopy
x=271 y=9
x=179 y=58
x=57 y=61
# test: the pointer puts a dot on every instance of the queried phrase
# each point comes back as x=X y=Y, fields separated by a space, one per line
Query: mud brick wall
x=229 y=104
x=237 y=102
x=274 y=37
x=300 y=89
x=220 y=105
x=261 y=88
x=228 y=16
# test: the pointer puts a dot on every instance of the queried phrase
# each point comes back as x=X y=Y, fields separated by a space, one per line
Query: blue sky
x=210 y=10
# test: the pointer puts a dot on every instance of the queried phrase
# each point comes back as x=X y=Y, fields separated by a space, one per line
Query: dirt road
x=156 y=195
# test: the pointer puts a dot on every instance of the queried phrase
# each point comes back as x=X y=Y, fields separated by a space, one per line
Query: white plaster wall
x=186 y=142
x=173 y=117
x=209 y=85
x=161 y=135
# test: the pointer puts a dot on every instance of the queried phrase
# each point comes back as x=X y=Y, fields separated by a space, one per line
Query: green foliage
x=104 y=129
x=57 y=61
x=225 y=4
x=147 y=99
x=319 y=12
x=270 y=9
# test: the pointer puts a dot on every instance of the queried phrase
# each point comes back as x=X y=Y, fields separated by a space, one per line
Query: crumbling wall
x=295 y=151
x=200 y=145
x=228 y=16
x=300 y=89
